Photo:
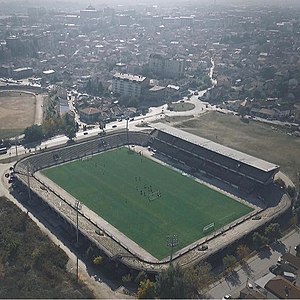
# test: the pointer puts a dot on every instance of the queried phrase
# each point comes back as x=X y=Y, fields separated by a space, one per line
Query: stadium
x=148 y=198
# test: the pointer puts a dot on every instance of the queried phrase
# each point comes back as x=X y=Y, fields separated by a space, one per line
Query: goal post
x=208 y=228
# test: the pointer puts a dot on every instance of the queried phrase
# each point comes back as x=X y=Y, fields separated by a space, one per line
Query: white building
x=166 y=67
x=128 y=84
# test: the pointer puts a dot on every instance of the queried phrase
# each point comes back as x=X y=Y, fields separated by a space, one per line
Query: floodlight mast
x=172 y=241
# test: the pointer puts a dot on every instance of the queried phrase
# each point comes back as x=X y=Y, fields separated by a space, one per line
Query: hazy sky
x=79 y=4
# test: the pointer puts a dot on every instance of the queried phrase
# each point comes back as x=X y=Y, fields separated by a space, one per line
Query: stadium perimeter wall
x=114 y=249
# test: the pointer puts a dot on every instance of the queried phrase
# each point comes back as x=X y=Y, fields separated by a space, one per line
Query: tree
x=204 y=275
x=126 y=278
x=70 y=132
x=192 y=282
x=33 y=133
x=259 y=240
x=273 y=232
x=242 y=110
x=242 y=251
x=146 y=290
x=98 y=260
x=229 y=261
x=170 y=283
x=291 y=190
x=141 y=276
x=175 y=283
x=268 y=72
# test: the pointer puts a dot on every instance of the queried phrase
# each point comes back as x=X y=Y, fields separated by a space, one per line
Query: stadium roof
x=223 y=150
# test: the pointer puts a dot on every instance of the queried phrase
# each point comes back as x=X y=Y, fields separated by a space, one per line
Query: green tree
x=259 y=240
x=146 y=290
x=204 y=275
x=273 y=232
x=229 y=262
x=191 y=283
x=268 y=72
x=70 y=132
x=291 y=190
x=126 y=278
x=33 y=133
x=141 y=276
x=174 y=283
x=242 y=251
x=170 y=283
x=98 y=260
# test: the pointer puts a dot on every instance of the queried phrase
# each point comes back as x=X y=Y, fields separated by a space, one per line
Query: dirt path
x=39 y=103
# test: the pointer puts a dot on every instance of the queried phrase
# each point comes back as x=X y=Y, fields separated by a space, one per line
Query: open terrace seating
x=165 y=137
x=203 y=153
x=226 y=162
x=186 y=146
x=254 y=173
x=36 y=162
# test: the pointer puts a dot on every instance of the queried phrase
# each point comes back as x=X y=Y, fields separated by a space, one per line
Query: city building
x=164 y=66
x=90 y=114
x=22 y=73
x=89 y=13
x=129 y=85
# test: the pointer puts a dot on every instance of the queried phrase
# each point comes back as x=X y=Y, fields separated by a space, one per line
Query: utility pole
x=77 y=207
x=16 y=138
x=127 y=129
x=28 y=184
x=172 y=241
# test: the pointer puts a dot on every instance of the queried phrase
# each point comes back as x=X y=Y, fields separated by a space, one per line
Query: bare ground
x=19 y=110
x=254 y=138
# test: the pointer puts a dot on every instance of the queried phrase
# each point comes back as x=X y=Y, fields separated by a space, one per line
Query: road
x=258 y=266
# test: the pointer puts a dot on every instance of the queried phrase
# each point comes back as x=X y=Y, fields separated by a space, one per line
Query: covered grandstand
x=240 y=170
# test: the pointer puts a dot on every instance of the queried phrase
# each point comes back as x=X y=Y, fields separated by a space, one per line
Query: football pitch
x=144 y=199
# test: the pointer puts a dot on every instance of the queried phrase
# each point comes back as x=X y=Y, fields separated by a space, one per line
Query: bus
x=3 y=150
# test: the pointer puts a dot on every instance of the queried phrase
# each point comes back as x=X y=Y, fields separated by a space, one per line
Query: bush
x=98 y=260
x=291 y=191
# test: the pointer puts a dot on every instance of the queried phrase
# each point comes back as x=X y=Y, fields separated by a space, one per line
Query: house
x=282 y=288
x=250 y=293
x=90 y=114
x=291 y=259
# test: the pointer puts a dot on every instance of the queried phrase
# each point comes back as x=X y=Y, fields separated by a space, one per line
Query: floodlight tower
x=172 y=241
x=78 y=207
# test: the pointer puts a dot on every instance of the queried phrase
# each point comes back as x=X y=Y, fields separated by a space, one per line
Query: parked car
x=276 y=270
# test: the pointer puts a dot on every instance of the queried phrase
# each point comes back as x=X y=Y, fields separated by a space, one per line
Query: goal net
x=208 y=228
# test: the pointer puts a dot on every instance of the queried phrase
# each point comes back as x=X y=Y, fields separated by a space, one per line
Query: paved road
x=258 y=266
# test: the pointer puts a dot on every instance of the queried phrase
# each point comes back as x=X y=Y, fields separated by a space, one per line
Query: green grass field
x=145 y=200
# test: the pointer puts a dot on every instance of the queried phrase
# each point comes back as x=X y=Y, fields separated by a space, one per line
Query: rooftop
x=223 y=150
x=282 y=288
x=130 y=77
